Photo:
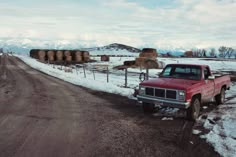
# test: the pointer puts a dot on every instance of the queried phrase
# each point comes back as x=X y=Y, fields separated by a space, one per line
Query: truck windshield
x=182 y=72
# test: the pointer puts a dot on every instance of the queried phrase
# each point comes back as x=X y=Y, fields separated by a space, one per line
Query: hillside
x=114 y=49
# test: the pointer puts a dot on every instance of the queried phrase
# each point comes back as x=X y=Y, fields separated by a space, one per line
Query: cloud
x=163 y=23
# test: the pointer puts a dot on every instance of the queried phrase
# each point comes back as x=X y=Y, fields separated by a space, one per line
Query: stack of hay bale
x=59 y=56
x=147 y=58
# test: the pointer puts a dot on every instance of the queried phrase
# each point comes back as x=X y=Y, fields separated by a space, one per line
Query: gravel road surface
x=41 y=116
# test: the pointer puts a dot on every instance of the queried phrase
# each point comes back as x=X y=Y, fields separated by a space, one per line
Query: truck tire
x=220 y=98
x=194 y=109
x=148 y=108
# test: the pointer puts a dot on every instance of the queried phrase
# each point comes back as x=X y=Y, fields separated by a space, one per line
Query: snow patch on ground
x=221 y=124
x=73 y=78
x=196 y=132
x=167 y=118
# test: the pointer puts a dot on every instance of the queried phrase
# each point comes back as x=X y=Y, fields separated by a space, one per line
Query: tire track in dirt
x=15 y=108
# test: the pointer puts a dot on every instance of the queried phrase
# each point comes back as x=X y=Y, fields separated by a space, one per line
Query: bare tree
x=222 y=51
x=234 y=53
x=213 y=52
x=226 y=52
x=203 y=52
x=199 y=53
x=229 y=52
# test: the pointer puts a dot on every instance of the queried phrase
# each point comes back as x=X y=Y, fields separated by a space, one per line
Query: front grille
x=160 y=93
x=171 y=94
x=149 y=91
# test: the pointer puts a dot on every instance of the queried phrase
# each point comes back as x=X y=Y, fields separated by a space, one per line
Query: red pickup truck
x=184 y=86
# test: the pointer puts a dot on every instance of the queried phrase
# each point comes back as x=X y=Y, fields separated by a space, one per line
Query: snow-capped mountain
x=114 y=49
x=23 y=46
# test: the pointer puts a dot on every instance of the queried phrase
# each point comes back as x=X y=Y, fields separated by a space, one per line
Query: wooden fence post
x=76 y=68
x=107 y=74
x=93 y=74
x=126 y=77
x=84 y=71
x=147 y=74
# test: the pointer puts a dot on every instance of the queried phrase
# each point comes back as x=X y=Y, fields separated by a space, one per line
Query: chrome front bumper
x=163 y=102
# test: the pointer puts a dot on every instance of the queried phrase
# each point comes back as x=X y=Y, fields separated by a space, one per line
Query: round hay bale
x=67 y=53
x=129 y=63
x=151 y=64
x=146 y=63
x=140 y=61
x=59 y=55
x=68 y=58
x=78 y=53
x=149 y=50
x=141 y=55
x=85 y=54
x=34 y=53
x=105 y=58
x=86 y=59
x=148 y=53
x=51 y=55
x=78 y=58
x=41 y=55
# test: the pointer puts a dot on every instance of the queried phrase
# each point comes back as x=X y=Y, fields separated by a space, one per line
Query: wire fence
x=106 y=74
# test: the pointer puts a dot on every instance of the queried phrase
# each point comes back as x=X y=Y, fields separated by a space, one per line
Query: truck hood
x=170 y=83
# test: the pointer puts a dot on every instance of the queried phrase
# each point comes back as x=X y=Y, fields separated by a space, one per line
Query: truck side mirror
x=211 y=77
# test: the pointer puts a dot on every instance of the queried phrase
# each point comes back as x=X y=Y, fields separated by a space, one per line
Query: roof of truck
x=201 y=65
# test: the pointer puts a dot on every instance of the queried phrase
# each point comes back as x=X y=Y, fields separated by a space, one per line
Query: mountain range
x=23 y=46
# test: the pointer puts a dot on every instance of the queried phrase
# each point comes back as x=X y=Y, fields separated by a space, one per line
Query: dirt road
x=41 y=116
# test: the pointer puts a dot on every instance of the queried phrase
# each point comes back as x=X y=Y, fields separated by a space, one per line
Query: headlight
x=142 y=90
x=181 y=95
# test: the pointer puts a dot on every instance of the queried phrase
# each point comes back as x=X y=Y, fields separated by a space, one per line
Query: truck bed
x=220 y=74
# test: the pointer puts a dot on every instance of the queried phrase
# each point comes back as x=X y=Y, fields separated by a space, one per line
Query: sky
x=139 y=23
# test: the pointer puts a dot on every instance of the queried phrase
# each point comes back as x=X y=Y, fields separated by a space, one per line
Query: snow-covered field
x=221 y=122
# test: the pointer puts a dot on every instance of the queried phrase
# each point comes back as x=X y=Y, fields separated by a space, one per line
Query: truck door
x=208 y=87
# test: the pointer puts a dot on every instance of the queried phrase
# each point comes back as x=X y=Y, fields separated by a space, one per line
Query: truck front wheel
x=194 y=110
x=220 y=98
x=148 y=108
